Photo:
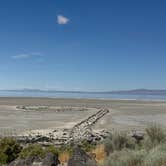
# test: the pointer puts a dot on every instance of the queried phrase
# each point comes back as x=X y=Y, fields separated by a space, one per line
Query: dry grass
x=100 y=153
x=64 y=157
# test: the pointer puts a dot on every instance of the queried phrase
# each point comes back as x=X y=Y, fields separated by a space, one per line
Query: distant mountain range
x=127 y=92
x=141 y=91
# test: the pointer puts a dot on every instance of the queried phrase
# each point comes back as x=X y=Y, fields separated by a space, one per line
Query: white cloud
x=62 y=20
x=21 y=56
x=26 y=56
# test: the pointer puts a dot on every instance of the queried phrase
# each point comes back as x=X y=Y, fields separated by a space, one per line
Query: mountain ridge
x=132 y=91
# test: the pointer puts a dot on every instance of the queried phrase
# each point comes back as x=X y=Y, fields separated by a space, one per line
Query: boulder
x=29 y=161
x=80 y=158
x=138 y=137
x=50 y=160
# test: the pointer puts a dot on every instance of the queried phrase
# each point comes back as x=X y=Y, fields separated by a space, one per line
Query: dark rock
x=138 y=137
x=80 y=158
x=97 y=139
x=26 y=162
x=50 y=160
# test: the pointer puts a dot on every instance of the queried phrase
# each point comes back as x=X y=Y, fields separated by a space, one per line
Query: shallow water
x=80 y=95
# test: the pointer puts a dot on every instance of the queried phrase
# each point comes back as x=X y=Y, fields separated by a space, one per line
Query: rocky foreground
x=81 y=131
x=78 y=158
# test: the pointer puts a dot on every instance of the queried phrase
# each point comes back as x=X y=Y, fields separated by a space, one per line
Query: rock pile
x=78 y=158
x=81 y=131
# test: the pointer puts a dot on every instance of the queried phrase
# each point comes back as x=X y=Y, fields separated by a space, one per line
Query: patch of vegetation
x=32 y=150
x=125 y=158
x=38 y=151
x=154 y=136
x=86 y=146
x=156 y=156
x=119 y=150
x=9 y=150
x=52 y=149
x=151 y=152
x=3 y=158
x=66 y=148
x=119 y=141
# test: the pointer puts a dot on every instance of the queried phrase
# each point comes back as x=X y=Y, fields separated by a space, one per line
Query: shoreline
x=82 y=98
x=124 y=114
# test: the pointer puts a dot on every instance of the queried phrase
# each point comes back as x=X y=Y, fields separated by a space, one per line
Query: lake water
x=80 y=95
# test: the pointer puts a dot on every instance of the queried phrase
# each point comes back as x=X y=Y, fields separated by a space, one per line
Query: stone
x=29 y=161
x=80 y=158
x=50 y=160
x=138 y=137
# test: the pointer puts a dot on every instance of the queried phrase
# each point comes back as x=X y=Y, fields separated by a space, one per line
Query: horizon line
x=83 y=91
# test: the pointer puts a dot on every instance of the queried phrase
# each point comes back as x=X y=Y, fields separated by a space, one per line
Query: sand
x=124 y=114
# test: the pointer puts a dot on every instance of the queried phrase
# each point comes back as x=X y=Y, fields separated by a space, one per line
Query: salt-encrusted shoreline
x=48 y=113
x=80 y=131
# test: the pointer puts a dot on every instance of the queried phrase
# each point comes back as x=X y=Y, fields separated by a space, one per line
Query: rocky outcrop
x=49 y=160
x=29 y=161
x=83 y=130
x=138 y=137
x=80 y=158
x=52 y=108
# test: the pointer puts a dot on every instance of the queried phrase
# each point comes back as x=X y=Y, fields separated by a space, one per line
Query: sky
x=97 y=45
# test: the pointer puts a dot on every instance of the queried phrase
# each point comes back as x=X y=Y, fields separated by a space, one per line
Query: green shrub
x=119 y=141
x=86 y=146
x=125 y=158
x=9 y=150
x=156 y=156
x=156 y=134
x=151 y=152
x=66 y=148
x=52 y=149
x=3 y=158
x=32 y=150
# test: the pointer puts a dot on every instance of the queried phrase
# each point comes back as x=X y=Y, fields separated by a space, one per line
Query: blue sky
x=82 y=44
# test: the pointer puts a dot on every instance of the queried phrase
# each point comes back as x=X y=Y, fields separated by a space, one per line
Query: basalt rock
x=49 y=160
x=29 y=161
x=138 y=137
x=80 y=158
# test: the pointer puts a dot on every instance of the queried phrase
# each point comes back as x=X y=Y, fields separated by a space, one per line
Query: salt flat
x=124 y=114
